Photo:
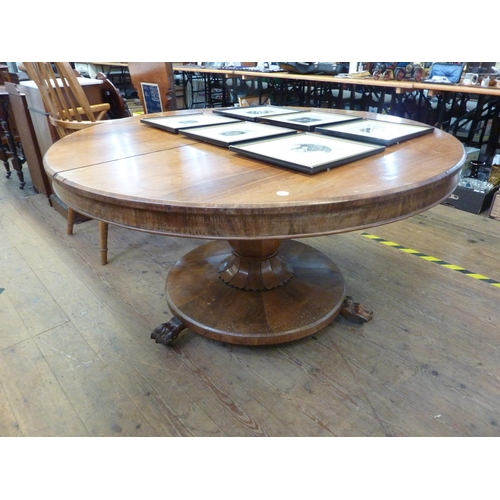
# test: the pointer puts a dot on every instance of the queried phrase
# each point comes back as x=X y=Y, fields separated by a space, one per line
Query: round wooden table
x=253 y=283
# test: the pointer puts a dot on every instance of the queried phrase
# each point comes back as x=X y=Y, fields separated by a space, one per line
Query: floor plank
x=36 y=399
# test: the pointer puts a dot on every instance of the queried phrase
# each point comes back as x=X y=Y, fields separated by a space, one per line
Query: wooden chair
x=111 y=95
x=69 y=110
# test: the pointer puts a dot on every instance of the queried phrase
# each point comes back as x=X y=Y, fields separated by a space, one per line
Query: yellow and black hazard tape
x=435 y=260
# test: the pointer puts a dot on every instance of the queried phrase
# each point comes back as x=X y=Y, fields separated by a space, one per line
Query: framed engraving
x=376 y=131
x=308 y=120
x=253 y=113
x=307 y=152
x=234 y=133
x=192 y=120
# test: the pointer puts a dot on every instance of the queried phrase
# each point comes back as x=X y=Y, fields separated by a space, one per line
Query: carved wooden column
x=255 y=265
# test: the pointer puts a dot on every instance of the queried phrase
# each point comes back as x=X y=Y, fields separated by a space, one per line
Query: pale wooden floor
x=76 y=358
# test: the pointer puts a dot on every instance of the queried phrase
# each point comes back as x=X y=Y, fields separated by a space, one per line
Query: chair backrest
x=111 y=95
x=64 y=97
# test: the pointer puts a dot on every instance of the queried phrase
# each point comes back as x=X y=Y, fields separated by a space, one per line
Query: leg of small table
x=16 y=163
x=7 y=168
x=70 y=221
x=9 y=147
x=103 y=241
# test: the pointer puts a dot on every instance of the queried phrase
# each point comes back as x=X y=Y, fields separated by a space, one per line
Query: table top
x=122 y=64
x=468 y=89
x=405 y=85
x=131 y=174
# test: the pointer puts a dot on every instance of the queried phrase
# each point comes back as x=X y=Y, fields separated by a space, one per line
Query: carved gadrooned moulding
x=255 y=266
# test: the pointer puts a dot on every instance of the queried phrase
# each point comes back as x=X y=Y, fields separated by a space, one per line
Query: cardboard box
x=495 y=207
x=469 y=200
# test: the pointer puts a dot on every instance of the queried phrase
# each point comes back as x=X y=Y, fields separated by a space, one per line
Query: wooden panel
x=28 y=139
x=160 y=73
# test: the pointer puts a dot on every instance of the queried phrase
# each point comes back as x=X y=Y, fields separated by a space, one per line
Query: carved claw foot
x=166 y=333
x=355 y=312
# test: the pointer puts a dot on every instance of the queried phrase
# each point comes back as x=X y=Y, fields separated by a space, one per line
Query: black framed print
x=176 y=122
x=376 y=131
x=307 y=151
x=152 y=100
x=254 y=113
x=308 y=120
x=234 y=133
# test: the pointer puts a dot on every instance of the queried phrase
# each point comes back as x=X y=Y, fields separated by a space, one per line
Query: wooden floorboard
x=76 y=358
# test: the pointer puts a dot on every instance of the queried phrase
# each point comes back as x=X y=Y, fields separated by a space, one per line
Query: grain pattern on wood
x=85 y=378
x=9 y=426
x=12 y=327
x=34 y=394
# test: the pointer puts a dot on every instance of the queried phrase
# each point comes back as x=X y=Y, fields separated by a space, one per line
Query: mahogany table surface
x=131 y=174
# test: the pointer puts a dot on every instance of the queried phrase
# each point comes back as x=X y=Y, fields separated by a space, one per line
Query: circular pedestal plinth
x=306 y=303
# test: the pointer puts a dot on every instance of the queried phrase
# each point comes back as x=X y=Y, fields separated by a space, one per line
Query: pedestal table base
x=308 y=297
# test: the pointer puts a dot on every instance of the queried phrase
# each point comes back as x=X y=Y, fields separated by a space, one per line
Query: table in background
x=472 y=108
x=471 y=113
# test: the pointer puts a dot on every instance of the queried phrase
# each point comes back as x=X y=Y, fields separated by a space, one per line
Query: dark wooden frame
x=362 y=150
x=319 y=118
x=403 y=131
x=257 y=131
x=172 y=123
x=254 y=113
